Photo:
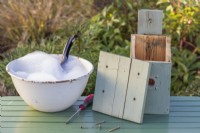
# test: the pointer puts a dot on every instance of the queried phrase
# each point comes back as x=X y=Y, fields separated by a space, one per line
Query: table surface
x=17 y=117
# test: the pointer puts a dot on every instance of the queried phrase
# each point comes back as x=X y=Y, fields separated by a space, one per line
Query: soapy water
x=40 y=66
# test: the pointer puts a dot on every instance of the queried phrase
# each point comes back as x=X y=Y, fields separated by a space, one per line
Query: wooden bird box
x=155 y=50
x=129 y=87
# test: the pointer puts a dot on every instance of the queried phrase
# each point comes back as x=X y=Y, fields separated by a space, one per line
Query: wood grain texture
x=121 y=86
x=158 y=95
x=157 y=50
x=168 y=50
x=129 y=81
x=150 y=22
x=150 y=47
x=105 y=82
x=137 y=90
x=111 y=84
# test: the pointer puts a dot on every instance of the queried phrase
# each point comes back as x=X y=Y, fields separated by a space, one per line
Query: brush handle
x=67 y=48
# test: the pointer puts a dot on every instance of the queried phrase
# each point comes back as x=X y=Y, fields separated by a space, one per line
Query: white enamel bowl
x=50 y=96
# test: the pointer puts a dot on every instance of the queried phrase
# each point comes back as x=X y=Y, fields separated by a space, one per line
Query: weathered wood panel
x=156 y=50
x=150 y=47
x=150 y=21
x=137 y=90
x=129 y=80
x=158 y=95
x=106 y=82
x=111 y=84
x=121 y=86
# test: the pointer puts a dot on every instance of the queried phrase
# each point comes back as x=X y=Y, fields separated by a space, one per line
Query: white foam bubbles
x=21 y=74
x=40 y=76
x=40 y=66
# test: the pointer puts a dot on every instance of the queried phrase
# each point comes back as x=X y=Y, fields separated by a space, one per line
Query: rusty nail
x=151 y=81
x=98 y=123
x=113 y=129
x=150 y=20
x=99 y=126
x=85 y=127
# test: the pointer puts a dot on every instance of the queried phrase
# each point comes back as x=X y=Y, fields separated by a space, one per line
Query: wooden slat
x=150 y=22
x=137 y=90
x=61 y=119
x=105 y=82
x=94 y=117
x=168 y=55
x=10 y=100
x=184 y=98
x=184 y=109
x=64 y=130
x=82 y=114
x=43 y=114
x=158 y=95
x=186 y=103
x=22 y=103
x=47 y=130
x=111 y=84
x=99 y=117
x=124 y=125
x=28 y=108
x=121 y=87
x=16 y=100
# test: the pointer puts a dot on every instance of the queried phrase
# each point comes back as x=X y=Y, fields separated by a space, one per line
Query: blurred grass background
x=27 y=25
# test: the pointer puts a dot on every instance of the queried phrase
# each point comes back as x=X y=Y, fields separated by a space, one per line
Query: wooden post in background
x=150 y=22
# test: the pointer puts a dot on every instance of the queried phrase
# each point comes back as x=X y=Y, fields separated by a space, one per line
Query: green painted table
x=18 y=117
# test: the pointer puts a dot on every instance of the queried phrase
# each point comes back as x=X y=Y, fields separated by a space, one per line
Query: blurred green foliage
x=113 y=26
x=184 y=72
x=182 y=22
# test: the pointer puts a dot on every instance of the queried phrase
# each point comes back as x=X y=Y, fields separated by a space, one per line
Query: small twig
x=113 y=129
x=98 y=123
